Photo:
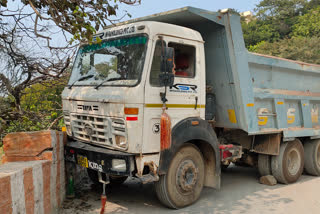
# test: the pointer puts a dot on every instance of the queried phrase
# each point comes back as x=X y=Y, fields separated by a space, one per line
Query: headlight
x=121 y=141
x=119 y=165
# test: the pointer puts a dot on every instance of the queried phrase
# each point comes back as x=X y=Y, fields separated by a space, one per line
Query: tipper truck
x=175 y=97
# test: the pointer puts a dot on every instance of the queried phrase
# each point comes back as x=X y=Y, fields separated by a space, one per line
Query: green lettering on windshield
x=114 y=43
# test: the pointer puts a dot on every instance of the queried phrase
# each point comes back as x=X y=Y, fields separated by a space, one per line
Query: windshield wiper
x=81 y=79
x=108 y=80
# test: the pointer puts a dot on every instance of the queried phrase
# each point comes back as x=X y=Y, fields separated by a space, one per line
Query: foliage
x=81 y=18
x=280 y=14
x=297 y=48
x=28 y=27
x=255 y=48
x=34 y=64
x=285 y=28
x=308 y=25
x=257 y=31
x=41 y=107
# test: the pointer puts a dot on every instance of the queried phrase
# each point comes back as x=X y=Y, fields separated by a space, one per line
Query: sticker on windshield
x=139 y=40
x=184 y=88
x=114 y=33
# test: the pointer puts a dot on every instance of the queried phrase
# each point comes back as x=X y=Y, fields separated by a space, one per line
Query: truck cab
x=120 y=99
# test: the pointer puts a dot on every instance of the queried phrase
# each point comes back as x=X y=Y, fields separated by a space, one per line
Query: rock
x=268 y=180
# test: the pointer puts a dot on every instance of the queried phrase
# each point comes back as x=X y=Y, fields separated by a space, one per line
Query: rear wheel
x=264 y=164
x=287 y=167
x=312 y=157
x=183 y=183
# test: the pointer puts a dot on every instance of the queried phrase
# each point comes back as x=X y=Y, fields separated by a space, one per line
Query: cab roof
x=186 y=16
x=192 y=20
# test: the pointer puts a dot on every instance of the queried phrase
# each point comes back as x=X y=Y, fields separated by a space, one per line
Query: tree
x=41 y=107
x=81 y=18
x=308 y=25
x=27 y=30
x=282 y=15
x=297 y=48
x=257 y=31
x=285 y=28
x=37 y=40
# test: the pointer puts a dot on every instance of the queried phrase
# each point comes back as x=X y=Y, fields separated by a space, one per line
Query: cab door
x=185 y=98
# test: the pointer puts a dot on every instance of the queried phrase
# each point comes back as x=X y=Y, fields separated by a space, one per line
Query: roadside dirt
x=240 y=193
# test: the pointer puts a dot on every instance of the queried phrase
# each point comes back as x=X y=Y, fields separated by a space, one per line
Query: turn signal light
x=131 y=111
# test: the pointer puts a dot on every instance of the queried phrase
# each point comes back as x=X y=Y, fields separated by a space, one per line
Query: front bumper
x=98 y=159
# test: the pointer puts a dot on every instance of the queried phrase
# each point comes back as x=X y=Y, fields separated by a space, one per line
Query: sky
x=149 y=7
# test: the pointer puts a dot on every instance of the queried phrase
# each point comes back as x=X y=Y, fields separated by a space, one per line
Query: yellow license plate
x=82 y=161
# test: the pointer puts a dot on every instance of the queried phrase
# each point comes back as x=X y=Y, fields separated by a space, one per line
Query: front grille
x=118 y=127
x=66 y=118
x=67 y=122
x=97 y=129
x=91 y=128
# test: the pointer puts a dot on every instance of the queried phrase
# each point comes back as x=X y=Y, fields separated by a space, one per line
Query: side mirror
x=166 y=77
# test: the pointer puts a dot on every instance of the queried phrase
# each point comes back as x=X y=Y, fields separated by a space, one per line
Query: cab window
x=156 y=61
x=184 y=59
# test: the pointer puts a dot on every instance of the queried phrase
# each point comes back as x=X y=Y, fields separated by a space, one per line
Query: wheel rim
x=187 y=176
x=293 y=161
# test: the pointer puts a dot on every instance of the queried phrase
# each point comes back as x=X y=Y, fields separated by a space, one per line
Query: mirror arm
x=163 y=96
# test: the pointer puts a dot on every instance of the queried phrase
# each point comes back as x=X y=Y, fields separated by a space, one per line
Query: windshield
x=112 y=62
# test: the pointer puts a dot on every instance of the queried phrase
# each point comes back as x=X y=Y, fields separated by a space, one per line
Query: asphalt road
x=240 y=193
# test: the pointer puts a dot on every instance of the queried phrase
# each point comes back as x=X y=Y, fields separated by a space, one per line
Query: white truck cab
x=122 y=76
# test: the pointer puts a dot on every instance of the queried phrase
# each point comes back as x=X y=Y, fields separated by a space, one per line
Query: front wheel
x=183 y=183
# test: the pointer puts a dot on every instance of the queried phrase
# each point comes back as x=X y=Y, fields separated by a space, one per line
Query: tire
x=264 y=164
x=287 y=167
x=183 y=183
x=312 y=157
x=114 y=180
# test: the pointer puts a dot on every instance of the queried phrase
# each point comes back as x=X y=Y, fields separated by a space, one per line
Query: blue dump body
x=255 y=93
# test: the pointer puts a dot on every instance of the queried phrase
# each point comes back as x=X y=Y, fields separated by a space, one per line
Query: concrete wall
x=32 y=178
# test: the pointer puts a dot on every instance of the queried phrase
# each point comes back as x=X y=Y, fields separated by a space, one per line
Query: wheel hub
x=294 y=161
x=187 y=175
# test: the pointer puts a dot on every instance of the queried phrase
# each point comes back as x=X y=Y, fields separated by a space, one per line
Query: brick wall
x=32 y=178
